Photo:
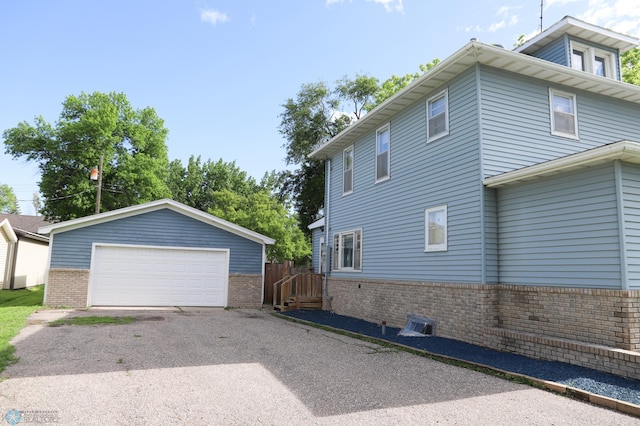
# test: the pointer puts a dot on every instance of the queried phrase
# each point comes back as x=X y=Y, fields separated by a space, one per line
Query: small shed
x=161 y=253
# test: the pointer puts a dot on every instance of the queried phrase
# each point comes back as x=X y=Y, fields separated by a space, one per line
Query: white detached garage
x=161 y=253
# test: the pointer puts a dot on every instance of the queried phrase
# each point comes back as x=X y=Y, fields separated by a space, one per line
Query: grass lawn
x=15 y=308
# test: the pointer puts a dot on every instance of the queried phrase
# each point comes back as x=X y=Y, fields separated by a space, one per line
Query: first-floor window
x=347 y=251
x=435 y=238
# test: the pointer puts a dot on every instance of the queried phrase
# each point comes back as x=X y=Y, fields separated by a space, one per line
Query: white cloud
x=330 y=2
x=390 y=5
x=618 y=15
x=213 y=16
x=496 y=26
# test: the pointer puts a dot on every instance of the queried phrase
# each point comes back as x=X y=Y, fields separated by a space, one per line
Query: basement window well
x=418 y=326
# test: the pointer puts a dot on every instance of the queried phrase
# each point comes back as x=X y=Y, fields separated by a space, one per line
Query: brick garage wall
x=67 y=287
x=594 y=328
x=245 y=291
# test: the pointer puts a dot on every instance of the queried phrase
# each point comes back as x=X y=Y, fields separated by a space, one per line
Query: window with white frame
x=435 y=224
x=564 y=117
x=382 y=153
x=347 y=171
x=592 y=60
x=438 y=115
x=347 y=251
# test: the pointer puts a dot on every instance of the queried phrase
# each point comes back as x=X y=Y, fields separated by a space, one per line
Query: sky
x=218 y=71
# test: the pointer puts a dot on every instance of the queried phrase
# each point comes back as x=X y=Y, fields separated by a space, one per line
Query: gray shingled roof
x=25 y=223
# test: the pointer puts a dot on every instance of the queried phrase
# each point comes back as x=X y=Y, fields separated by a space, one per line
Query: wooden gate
x=274 y=272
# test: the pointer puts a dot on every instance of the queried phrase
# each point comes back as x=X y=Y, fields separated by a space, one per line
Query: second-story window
x=383 y=140
x=438 y=116
x=347 y=171
x=564 y=117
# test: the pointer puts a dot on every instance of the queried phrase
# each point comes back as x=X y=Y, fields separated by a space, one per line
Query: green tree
x=630 y=65
x=262 y=213
x=196 y=184
x=8 y=200
x=395 y=83
x=132 y=143
x=311 y=119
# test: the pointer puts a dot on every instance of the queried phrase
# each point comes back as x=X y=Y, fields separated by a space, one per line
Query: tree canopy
x=317 y=114
x=8 y=200
x=630 y=65
x=132 y=142
x=224 y=190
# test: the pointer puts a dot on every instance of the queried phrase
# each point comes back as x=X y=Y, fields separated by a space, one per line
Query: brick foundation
x=594 y=328
x=245 y=291
x=67 y=287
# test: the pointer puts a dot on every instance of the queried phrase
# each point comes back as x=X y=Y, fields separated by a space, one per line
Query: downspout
x=13 y=255
x=327 y=262
x=622 y=239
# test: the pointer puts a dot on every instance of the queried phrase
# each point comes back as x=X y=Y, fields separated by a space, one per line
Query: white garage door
x=158 y=276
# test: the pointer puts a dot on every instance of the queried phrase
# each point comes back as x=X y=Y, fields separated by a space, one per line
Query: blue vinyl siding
x=561 y=231
x=316 y=237
x=423 y=175
x=556 y=52
x=631 y=203
x=72 y=249
x=516 y=122
x=491 y=236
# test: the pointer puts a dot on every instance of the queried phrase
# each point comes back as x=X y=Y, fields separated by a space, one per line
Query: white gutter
x=623 y=150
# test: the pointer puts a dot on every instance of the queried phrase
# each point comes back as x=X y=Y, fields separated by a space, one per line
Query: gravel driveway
x=248 y=367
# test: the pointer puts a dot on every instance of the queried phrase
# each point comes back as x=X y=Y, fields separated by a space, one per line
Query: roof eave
x=622 y=150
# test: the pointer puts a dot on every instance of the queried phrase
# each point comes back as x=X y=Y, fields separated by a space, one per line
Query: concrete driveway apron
x=248 y=367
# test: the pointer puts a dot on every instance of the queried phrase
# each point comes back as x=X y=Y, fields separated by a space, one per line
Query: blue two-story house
x=498 y=195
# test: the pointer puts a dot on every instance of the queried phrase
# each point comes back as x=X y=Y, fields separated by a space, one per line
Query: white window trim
x=555 y=132
x=388 y=176
x=435 y=247
x=589 y=57
x=339 y=267
x=445 y=94
x=353 y=160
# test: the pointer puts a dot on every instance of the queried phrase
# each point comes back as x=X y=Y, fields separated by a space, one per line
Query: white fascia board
x=623 y=150
x=317 y=224
x=8 y=230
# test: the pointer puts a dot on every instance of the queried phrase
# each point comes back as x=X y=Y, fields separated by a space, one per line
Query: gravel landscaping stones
x=593 y=381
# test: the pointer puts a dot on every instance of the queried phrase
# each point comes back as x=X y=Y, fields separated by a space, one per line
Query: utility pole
x=99 y=179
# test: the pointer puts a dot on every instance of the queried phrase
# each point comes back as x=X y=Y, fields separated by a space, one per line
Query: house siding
x=631 y=207
x=515 y=121
x=555 y=52
x=316 y=237
x=4 y=260
x=561 y=232
x=72 y=249
x=423 y=175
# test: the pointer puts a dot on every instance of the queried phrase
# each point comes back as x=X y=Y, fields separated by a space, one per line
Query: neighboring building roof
x=317 y=224
x=25 y=223
x=473 y=53
x=579 y=29
x=623 y=150
x=153 y=206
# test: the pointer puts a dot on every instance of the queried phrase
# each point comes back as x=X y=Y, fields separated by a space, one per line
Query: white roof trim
x=8 y=230
x=579 y=29
x=317 y=224
x=623 y=150
x=477 y=53
x=153 y=206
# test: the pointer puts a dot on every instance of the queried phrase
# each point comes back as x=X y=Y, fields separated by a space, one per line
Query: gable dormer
x=581 y=46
